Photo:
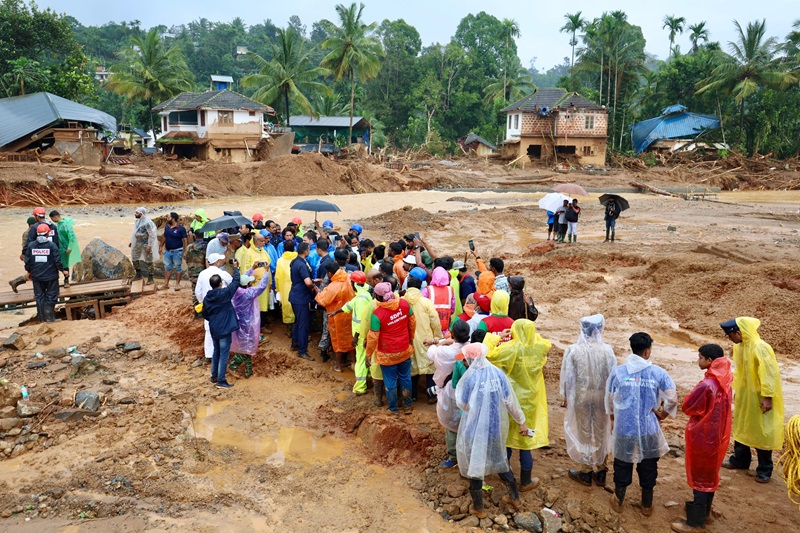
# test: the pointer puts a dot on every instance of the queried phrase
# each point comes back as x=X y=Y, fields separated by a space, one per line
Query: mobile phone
x=471 y=245
x=230 y=261
x=531 y=433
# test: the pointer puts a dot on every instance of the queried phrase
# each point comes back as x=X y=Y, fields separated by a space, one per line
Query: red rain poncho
x=334 y=297
x=709 y=428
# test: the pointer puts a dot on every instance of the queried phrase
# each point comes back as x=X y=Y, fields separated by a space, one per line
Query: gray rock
x=88 y=400
x=77 y=360
x=486 y=523
x=672 y=228
x=37 y=364
x=73 y=415
x=501 y=520
x=101 y=261
x=528 y=522
x=8 y=423
x=44 y=340
x=470 y=521
x=56 y=353
x=14 y=342
x=131 y=346
x=551 y=521
x=26 y=409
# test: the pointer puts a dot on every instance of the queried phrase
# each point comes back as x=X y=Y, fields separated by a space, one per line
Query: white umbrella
x=552 y=201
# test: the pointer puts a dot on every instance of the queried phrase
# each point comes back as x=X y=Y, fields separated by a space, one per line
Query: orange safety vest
x=442 y=301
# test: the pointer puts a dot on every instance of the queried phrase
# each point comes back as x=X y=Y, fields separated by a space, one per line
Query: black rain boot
x=600 y=477
x=477 y=504
x=612 y=235
x=526 y=482
x=16 y=282
x=66 y=282
x=709 y=514
x=378 y=391
x=618 y=498
x=584 y=478
x=512 y=498
x=414 y=387
x=647 y=502
x=695 y=519
x=50 y=314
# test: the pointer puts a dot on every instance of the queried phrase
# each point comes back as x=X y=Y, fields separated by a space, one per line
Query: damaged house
x=551 y=123
x=50 y=124
x=214 y=125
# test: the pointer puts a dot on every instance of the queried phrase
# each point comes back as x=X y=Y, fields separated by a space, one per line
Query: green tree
x=699 y=32
x=355 y=51
x=510 y=32
x=289 y=76
x=750 y=66
x=150 y=71
x=518 y=83
x=574 y=24
x=24 y=71
x=675 y=26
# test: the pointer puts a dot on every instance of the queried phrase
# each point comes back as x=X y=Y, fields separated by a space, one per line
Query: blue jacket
x=219 y=311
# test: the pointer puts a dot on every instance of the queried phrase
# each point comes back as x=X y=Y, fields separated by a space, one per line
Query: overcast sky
x=436 y=20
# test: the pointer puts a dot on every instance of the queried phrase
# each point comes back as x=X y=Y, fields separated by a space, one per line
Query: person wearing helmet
x=16 y=282
x=258 y=221
x=355 y=231
x=39 y=214
x=43 y=264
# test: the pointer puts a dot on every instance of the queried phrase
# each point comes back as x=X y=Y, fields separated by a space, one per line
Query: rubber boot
x=50 y=314
x=526 y=482
x=137 y=269
x=618 y=498
x=512 y=498
x=66 y=282
x=569 y=238
x=236 y=361
x=612 y=235
x=575 y=238
x=647 y=502
x=695 y=519
x=248 y=366
x=600 y=477
x=16 y=282
x=378 y=391
x=583 y=478
x=477 y=504
x=414 y=387
x=709 y=514
x=149 y=269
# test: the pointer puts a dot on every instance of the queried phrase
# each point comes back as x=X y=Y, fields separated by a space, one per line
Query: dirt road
x=279 y=452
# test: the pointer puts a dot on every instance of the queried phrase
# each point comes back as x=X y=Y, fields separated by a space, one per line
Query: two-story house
x=214 y=125
x=553 y=122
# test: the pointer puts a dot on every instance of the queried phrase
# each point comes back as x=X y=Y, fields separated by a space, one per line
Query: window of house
x=587 y=150
x=252 y=113
x=589 y=122
x=225 y=117
x=516 y=122
x=202 y=118
x=509 y=121
x=165 y=128
x=183 y=118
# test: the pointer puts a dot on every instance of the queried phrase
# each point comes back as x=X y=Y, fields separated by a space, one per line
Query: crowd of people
x=415 y=324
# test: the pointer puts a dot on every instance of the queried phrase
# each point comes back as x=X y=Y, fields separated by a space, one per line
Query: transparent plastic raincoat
x=584 y=373
x=633 y=391
x=245 y=302
x=335 y=296
x=756 y=376
x=443 y=357
x=144 y=234
x=428 y=326
x=708 y=431
x=522 y=359
x=283 y=284
x=485 y=398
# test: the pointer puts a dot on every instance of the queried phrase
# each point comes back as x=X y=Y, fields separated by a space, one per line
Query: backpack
x=571 y=216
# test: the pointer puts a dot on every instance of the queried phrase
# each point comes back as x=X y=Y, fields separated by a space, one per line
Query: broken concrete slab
x=15 y=342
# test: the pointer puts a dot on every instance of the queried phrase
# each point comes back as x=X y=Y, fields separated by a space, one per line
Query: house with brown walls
x=552 y=123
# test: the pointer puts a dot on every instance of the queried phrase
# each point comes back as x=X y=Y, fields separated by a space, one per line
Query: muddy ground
x=292 y=449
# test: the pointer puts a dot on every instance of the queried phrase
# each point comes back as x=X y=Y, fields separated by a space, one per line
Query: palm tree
x=675 y=26
x=20 y=72
x=355 y=51
x=699 y=33
x=288 y=76
x=518 y=84
x=329 y=105
x=750 y=65
x=574 y=24
x=510 y=31
x=149 y=71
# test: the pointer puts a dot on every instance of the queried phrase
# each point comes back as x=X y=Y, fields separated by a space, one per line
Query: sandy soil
x=293 y=450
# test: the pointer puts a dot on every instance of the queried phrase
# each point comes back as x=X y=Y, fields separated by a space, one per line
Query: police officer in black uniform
x=43 y=264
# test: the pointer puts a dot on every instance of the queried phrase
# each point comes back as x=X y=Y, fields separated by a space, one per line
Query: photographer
x=222 y=322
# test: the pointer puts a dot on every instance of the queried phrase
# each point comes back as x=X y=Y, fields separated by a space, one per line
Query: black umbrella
x=317 y=206
x=225 y=222
x=622 y=203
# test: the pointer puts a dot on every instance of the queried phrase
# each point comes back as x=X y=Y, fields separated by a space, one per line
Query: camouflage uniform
x=195 y=258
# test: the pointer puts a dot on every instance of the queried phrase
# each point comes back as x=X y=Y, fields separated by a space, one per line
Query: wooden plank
x=76 y=290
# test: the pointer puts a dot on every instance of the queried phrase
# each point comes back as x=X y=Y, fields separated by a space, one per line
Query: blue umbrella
x=317 y=206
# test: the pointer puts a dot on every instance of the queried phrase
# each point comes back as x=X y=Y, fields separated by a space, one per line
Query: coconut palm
x=150 y=71
x=329 y=105
x=510 y=31
x=289 y=76
x=573 y=25
x=517 y=84
x=752 y=64
x=675 y=26
x=699 y=32
x=355 y=51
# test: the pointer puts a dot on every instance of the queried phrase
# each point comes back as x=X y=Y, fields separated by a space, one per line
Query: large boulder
x=101 y=261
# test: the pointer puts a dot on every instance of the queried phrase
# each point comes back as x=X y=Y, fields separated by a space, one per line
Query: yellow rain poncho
x=283 y=283
x=428 y=326
x=251 y=256
x=522 y=359
x=756 y=376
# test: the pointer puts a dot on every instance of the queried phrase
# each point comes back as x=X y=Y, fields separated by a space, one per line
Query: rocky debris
x=88 y=400
x=501 y=520
x=44 y=340
x=9 y=393
x=528 y=522
x=73 y=415
x=37 y=364
x=456 y=490
x=672 y=228
x=77 y=360
x=470 y=521
x=130 y=346
x=551 y=521
x=27 y=409
x=55 y=353
x=101 y=261
x=15 y=342
x=9 y=423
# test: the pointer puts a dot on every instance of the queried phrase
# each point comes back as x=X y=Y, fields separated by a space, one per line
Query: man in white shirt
x=218 y=245
x=215 y=262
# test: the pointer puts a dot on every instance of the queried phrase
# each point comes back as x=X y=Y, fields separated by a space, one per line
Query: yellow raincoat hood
x=757 y=376
x=522 y=359
x=500 y=301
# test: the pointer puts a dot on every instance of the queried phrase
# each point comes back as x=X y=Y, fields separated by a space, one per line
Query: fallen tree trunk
x=111 y=171
x=653 y=190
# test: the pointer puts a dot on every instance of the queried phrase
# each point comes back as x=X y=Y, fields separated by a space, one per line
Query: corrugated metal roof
x=326 y=122
x=671 y=125
x=227 y=79
x=225 y=99
x=472 y=138
x=23 y=115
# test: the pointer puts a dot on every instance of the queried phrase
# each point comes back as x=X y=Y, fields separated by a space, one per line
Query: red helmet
x=42 y=229
x=358 y=277
x=297 y=220
x=258 y=216
x=39 y=212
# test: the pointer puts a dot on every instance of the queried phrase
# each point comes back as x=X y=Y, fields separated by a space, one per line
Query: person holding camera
x=257 y=259
x=218 y=310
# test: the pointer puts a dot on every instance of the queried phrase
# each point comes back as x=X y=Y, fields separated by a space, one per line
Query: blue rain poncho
x=485 y=398
x=633 y=391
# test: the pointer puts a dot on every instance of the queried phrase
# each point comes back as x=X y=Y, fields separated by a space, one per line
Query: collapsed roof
x=675 y=122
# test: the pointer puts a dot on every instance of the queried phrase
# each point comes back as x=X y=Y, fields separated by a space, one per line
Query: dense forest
x=414 y=95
